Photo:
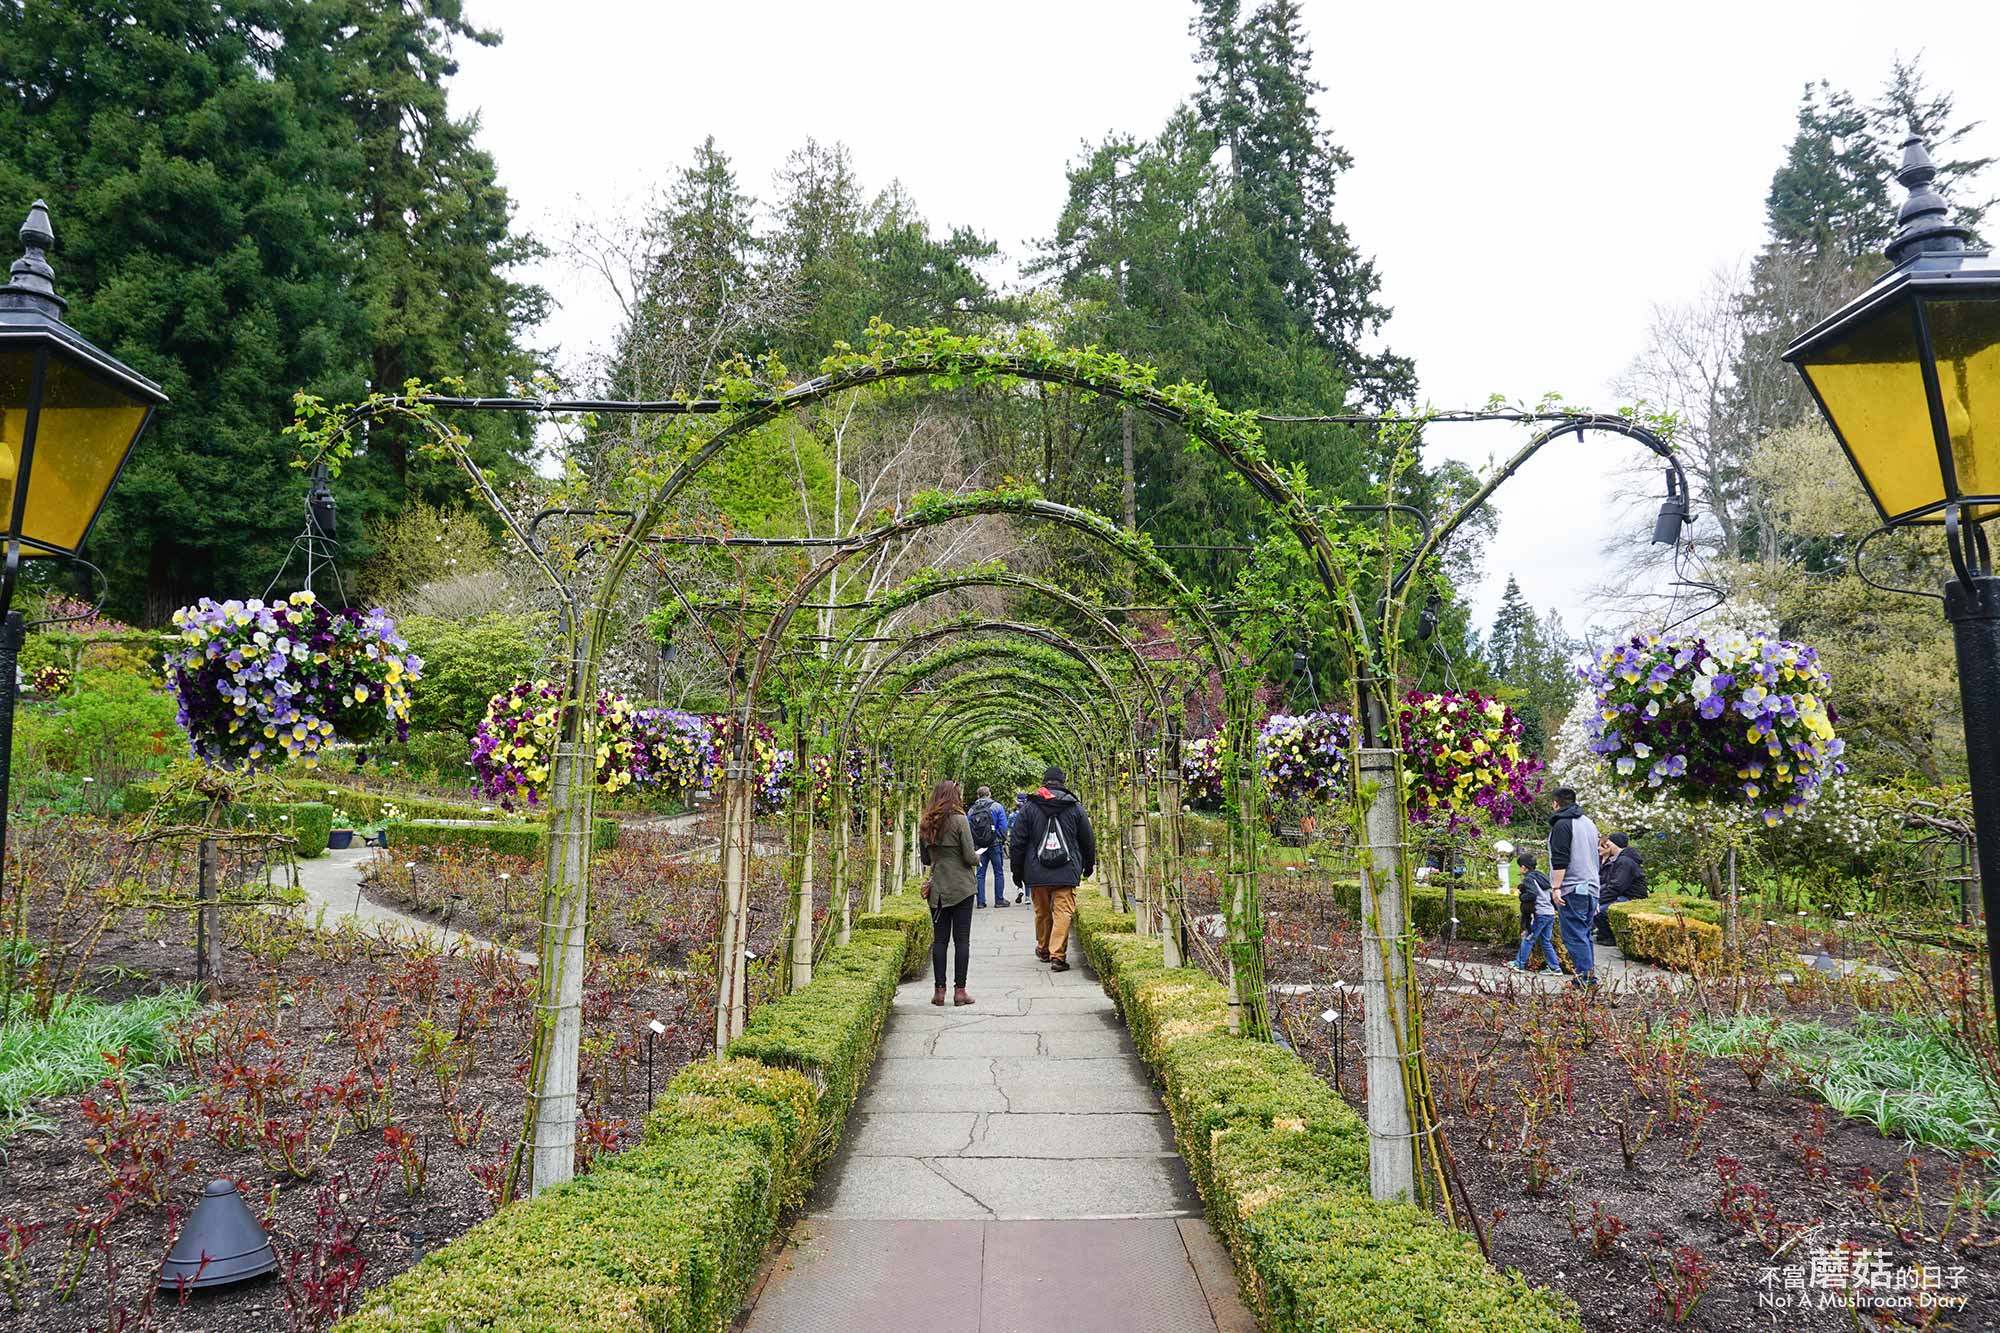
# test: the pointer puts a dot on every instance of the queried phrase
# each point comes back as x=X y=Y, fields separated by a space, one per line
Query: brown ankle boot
x=959 y=996
x=937 y=996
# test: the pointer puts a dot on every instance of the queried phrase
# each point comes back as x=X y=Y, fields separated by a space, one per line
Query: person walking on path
x=1573 y=879
x=1541 y=917
x=989 y=835
x=1624 y=880
x=944 y=840
x=1053 y=850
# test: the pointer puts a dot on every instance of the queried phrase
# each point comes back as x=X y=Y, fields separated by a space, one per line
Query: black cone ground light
x=221 y=1229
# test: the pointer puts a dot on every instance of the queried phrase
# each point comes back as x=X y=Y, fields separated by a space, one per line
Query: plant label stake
x=654 y=1030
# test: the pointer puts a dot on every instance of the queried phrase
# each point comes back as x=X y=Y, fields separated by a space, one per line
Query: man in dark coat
x=1052 y=850
x=1623 y=877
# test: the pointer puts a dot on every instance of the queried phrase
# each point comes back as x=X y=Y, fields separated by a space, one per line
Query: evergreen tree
x=192 y=208
x=432 y=238
x=1513 y=631
x=1908 y=106
x=695 y=299
x=204 y=163
x=1831 y=194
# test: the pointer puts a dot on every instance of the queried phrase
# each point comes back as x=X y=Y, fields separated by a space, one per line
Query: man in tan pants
x=1052 y=849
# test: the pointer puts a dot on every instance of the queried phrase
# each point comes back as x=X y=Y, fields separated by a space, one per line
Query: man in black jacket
x=1624 y=880
x=1052 y=850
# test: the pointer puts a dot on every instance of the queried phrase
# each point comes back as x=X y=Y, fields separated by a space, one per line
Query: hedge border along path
x=1282 y=1166
x=669 y=1235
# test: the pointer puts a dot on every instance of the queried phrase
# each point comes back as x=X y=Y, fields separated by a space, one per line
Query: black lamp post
x=69 y=416
x=1908 y=376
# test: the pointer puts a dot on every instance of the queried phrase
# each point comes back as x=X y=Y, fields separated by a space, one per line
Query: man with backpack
x=989 y=835
x=1053 y=850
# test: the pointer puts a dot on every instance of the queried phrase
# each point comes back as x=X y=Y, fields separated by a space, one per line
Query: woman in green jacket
x=944 y=836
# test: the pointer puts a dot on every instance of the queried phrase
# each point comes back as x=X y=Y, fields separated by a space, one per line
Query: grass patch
x=66 y=1053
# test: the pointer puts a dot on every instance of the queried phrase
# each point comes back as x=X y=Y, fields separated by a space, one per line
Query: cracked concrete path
x=1008 y=1167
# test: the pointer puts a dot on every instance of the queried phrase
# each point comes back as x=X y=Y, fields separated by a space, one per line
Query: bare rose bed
x=1533 y=1088
x=365 y=1095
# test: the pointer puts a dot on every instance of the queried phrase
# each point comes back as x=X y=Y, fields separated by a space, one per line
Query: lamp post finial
x=1924 y=225
x=31 y=282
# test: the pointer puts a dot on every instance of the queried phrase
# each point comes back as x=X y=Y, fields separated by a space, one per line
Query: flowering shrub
x=292 y=676
x=515 y=743
x=770 y=767
x=1742 y=722
x=1303 y=756
x=1463 y=761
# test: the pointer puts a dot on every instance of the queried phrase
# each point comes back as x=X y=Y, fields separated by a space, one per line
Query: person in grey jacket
x=1573 y=876
x=944 y=840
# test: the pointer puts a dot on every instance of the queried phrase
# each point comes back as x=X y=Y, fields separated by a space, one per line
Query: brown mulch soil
x=1775 y=1159
x=306 y=1025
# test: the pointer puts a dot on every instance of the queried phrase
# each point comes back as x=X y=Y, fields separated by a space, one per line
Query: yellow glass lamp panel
x=86 y=426
x=1873 y=388
x=1966 y=338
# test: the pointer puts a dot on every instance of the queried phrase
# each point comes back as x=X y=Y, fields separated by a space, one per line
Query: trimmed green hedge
x=510 y=839
x=669 y=1235
x=367 y=807
x=1664 y=904
x=307 y=821
x=1282 y=1165
x=1485 y=915
x=912 y=915
x=828 y=1030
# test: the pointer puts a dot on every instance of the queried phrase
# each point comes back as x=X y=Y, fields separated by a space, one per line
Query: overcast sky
x=1531 y=179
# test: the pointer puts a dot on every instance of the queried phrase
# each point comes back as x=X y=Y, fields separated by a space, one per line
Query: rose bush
x=1463 y=761
x=1739 y=722
x=255 y=680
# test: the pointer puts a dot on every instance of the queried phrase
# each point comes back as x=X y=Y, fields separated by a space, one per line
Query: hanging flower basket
x=770 y=767
x=1202 y=775
x=853 y=772
x=670 y=752
x=1462 y=761
x=514 y=747
x=1303 y=756
x=1743 y=722
x=256 y=681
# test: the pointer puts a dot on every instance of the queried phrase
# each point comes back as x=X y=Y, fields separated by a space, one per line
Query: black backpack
x=1054 y=851
x=982 y=824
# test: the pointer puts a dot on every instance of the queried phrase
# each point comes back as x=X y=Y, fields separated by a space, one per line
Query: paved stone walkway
x=1009 y=1168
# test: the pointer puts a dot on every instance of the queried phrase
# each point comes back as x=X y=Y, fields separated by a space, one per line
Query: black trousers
x=952 y=925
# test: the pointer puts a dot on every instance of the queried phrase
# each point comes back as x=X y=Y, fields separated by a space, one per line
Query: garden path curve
x=1009 y=1167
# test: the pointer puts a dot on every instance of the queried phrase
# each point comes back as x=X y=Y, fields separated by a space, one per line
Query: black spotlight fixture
x=1674 y=515
x=221 y=1244
x=1427 y=619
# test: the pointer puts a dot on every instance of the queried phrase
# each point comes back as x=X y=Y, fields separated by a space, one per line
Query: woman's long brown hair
x=946 y=801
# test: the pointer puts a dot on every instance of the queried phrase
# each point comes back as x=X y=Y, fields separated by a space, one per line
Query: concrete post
x=1385 y=1007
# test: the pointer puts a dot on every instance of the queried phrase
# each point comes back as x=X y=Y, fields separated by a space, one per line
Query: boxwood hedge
x=1282 y=1165
x=307 y=821
x=910 y=914
x=669 y=1235
x=1484 y=915
x=515 y=838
